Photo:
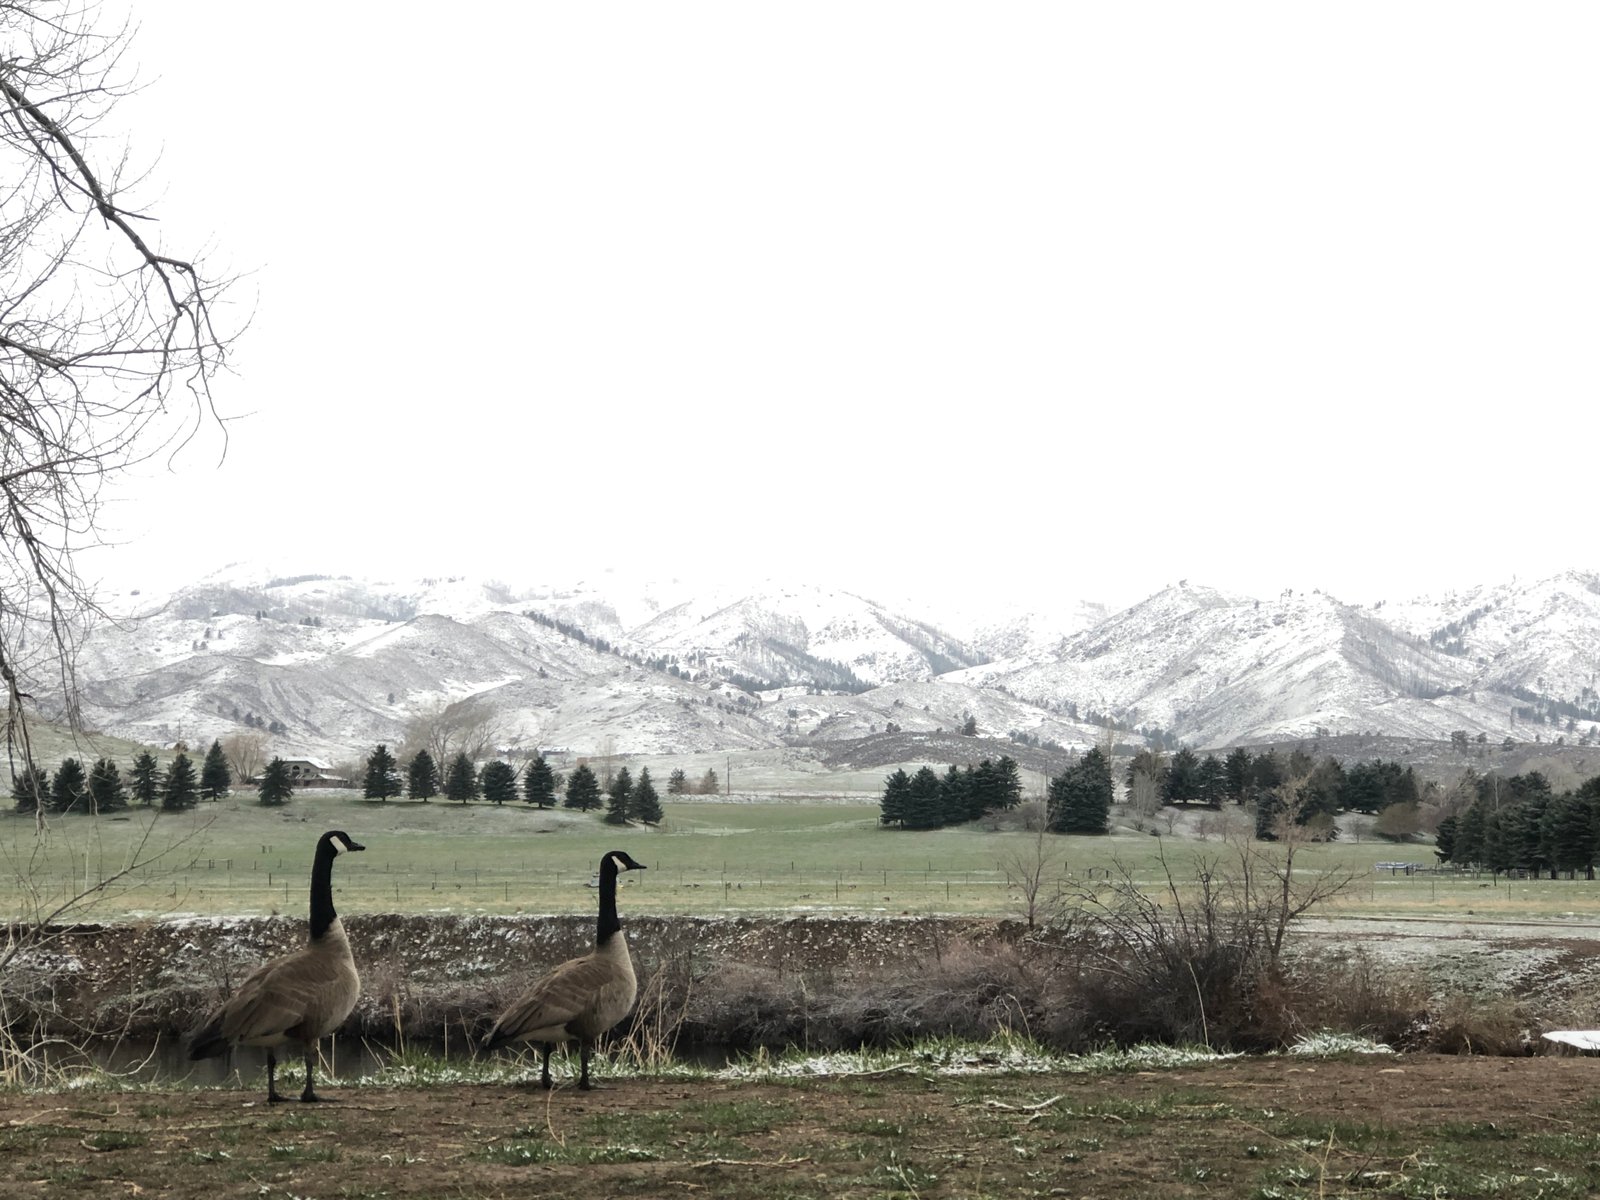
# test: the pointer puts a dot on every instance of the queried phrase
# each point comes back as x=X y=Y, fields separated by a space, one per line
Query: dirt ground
x=1261 y=1128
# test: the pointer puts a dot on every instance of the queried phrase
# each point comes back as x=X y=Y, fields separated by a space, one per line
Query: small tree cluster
x=927 y=800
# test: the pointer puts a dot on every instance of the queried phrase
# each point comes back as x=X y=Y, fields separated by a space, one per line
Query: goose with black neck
x=298 y=998
x=583 y=997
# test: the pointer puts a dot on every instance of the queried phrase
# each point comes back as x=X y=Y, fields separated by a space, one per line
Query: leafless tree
x=246 y=754
x=1031 y=869
x=472 y=727
x=108 y=346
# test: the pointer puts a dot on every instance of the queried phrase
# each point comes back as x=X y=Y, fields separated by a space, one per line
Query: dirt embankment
x=144 y=979
x=752 y=981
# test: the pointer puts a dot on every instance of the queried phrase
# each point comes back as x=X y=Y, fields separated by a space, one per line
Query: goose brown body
x=583 y=997
x=298 y=998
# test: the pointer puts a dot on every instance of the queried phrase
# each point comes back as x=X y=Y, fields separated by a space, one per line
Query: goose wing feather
x=565 y=995
x=292 y=996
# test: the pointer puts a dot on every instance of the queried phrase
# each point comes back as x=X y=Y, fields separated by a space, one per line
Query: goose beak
x=356 y=846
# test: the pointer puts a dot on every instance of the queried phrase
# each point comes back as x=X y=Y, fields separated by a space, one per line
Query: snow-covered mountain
x=334 y=665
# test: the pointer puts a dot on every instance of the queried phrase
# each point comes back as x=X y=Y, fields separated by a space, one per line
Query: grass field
x=235 y=857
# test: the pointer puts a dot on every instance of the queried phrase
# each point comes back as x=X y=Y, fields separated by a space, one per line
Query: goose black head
x=623 y=861
x=340 y=841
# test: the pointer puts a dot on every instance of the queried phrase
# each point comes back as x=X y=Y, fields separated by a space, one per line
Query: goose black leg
x=308 y=1096
x=544 y=1067
x=586 y=1048
x=272 y=1079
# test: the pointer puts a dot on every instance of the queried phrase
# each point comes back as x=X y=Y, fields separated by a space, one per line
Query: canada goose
x=300 y=997
x=583 y=997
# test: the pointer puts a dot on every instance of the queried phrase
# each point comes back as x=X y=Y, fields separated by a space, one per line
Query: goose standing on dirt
x=300 y=997
x=583 y=997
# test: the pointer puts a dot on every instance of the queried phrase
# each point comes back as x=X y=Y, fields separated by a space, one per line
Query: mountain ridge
x=340 y=663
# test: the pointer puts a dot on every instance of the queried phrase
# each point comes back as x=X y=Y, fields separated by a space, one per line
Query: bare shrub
x=1478 y=1025
x=1348 y=993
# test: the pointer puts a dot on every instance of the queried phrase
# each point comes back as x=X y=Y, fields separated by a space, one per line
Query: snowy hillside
x=335 y=665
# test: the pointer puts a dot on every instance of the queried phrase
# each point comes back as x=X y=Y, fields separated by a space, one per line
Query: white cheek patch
x=618 y=863
x=339 y=844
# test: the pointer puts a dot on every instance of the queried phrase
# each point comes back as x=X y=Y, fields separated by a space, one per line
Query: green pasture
x=235 y=857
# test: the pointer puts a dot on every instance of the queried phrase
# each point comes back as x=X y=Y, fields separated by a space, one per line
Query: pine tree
x=383 y=775
x=146 y=775
x=1182 y=784
x=539 y=783
x=106 y=789
x=924 y=809
x=954 y=797
x=677 y=782
x=180 y=790
x=708 y=782
x=617 y=804
x=1237 y=767
x=583 y=789
x=1007 y=783
x=215 y=777
x=645 y=806
x=461 y=780
x=499 y=780
x=69 y=792
x=422 y=777
x=1444 y=839
x=895 y=806
x=31 y=788
x=1079 y=799
x=276 y=787
x=1213 y=781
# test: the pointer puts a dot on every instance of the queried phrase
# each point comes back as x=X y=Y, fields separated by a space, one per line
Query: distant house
x=308 y=771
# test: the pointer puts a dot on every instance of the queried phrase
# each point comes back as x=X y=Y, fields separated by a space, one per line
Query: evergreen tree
x=1468 y=849
x=1270 y=806
x=499 y=781
x=383 y=775
x=1007 y=783
x=106 y=789
x=1238 y=767
x=539 y=783
x=1182 y=784
x=461 y=780
x=1444 y=840
x=583 y=789
x=924 y=810
x=677 y=782
x=30 y=788
x=1323 y=790
x=895 y=806
x=645 y=806
x=146 y=775
x=422 y=777
x=1267 y=772
x=1212 y=780
x=1570 y=834
x=215 y=777
x=955 y=801
x=708 y=782
x=276 y=786
x=69 y=792
x=617 y=803
x=983 y=788
x=1079 y=799
x=180 y=790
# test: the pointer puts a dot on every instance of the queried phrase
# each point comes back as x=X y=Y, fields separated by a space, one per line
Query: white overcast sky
x=1070 y=298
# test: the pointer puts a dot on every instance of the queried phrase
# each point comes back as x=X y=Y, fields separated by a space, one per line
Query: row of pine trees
x=1079 y=798
x=498 y=783
x=102 y=787
x=1521 y=823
